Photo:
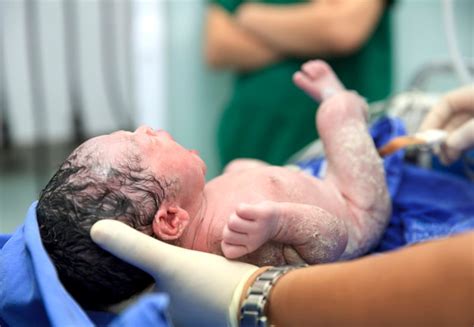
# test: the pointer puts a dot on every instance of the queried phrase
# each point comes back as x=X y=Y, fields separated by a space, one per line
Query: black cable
x=73 y=64
x=109 y=66
x=5 y=136
x=41 y=150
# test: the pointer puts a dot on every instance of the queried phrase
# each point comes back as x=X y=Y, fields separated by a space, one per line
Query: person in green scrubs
x=265 y=42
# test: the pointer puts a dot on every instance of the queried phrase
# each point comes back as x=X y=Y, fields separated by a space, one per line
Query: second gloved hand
x=454 y=114
x=204 y=289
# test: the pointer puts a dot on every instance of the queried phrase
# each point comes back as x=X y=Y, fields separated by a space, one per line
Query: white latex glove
x=454 y=114
x=204 y=289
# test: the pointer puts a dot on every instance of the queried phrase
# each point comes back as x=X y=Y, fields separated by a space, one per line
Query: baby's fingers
x=260 y=210
x=232 y=237
x=233 y=251
x=240 y=225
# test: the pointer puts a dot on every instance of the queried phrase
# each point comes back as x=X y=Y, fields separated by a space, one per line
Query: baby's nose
x=164 y=134
x=144 y=129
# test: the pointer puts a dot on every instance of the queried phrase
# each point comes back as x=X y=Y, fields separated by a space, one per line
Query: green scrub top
x=269 y=118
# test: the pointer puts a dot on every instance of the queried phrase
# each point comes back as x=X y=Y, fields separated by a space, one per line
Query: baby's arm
x=314 y=233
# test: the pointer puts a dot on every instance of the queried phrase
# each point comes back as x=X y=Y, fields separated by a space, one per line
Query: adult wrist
x=249 y=283
x=254 y=306
x=240 y=293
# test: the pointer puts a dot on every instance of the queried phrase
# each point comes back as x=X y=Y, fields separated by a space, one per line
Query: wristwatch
x=252 y=311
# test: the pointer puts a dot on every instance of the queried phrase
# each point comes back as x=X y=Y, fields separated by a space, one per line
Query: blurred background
x=73 y=69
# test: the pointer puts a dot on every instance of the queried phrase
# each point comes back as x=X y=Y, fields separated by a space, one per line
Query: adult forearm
x=430 y=284
x=228 y=45
x=318 y=28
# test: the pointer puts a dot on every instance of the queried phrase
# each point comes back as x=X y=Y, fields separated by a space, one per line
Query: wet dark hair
x=83 y=191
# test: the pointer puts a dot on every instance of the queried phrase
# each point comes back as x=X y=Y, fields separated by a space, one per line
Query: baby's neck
x=196 y=235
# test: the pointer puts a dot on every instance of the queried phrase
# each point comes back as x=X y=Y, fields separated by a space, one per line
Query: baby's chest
x=282 y=186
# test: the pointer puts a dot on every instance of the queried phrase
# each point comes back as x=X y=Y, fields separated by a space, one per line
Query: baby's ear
x=170 y=222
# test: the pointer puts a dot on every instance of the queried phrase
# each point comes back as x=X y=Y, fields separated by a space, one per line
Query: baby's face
x=158 y=153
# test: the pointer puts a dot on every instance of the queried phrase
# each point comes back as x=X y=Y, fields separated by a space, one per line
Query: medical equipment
x=37 y=86
x=5 y=139
x=430 y=139
x=73 y=71
x=150 y=61
x=110 y=66
x=458 y=62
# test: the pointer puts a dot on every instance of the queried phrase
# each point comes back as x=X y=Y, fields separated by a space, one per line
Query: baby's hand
x=249 y=227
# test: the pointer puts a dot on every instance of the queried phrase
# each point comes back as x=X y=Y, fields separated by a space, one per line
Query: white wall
x=419 y=37
x=195 y=95
x=98 y=117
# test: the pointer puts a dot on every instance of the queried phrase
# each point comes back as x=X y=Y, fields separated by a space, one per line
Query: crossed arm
x=260 y=34
x=316 y=28
x=228 y=45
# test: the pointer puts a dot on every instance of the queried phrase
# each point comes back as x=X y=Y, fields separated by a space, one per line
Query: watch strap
x=252 y=311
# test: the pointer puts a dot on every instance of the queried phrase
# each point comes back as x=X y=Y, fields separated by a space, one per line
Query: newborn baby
x=278 y=216
x=261 y=214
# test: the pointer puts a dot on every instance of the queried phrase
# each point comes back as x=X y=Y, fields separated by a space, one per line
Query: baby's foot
x=318 y=80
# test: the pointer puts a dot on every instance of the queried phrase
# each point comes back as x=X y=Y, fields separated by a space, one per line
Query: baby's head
x=143 y=179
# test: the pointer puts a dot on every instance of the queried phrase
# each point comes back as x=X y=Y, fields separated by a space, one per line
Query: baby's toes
x=316 y=68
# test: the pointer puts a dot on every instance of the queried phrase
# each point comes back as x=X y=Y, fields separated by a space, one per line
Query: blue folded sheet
x=426 y=204
x=32 y=295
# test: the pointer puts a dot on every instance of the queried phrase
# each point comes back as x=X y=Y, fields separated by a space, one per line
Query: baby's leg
x=353 y=162
x=354 y=166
